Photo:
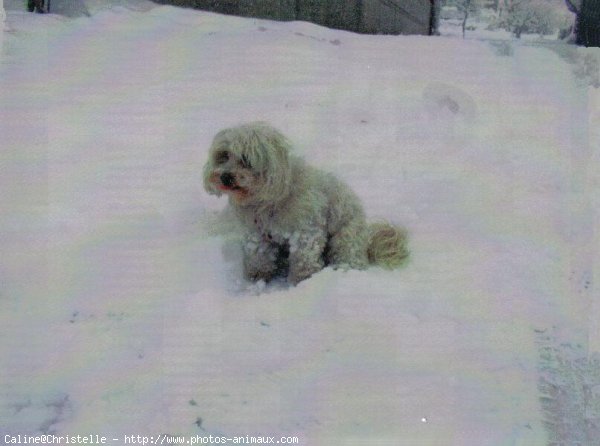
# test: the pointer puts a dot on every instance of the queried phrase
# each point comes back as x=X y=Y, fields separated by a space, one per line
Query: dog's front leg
x=306 y=255
x=260 y=258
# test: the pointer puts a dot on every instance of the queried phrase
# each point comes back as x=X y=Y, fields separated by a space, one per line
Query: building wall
x=364 y=16
x=396 y=17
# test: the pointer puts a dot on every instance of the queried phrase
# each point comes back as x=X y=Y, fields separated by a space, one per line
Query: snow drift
x=122 y=305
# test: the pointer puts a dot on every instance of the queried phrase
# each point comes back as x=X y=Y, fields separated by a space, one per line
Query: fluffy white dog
x=297 y=219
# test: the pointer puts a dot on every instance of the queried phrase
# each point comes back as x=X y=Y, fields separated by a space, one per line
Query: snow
x=122 y=305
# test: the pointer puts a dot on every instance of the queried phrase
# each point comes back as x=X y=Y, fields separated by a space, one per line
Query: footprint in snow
x=445 y=99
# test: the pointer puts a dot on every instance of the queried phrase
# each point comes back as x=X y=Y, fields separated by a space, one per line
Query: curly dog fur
x=297 y=219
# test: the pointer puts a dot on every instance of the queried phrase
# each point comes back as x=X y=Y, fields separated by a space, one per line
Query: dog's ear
x=276 y=168
x=206 y=174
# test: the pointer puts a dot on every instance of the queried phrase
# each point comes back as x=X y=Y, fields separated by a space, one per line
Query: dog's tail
x=388 y=245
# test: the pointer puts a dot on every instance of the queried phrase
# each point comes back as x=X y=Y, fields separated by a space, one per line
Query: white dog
x=297 y=219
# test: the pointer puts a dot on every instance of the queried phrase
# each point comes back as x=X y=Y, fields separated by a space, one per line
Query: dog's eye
x=245 y=162
x=222 y=157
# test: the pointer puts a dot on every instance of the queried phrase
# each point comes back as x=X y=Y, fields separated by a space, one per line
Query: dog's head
x=249 y=163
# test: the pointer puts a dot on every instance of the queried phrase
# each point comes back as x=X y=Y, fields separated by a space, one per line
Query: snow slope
x=122 y=306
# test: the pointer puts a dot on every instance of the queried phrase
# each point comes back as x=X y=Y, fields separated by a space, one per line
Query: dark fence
x=363 y=16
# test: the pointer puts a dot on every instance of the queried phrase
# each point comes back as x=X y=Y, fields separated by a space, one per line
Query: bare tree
x=466 y=7
x=527 y=16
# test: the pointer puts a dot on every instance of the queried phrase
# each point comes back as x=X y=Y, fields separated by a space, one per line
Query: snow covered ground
x=122 y=308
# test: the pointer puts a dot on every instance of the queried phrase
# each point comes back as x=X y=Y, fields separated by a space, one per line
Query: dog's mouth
x=238 y=193
x=232 y=188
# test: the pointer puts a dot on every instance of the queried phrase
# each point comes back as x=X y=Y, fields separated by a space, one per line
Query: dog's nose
x=227 y=179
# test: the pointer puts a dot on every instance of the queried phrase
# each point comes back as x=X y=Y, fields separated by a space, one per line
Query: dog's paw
x=297 y=276
x=257 y=276
x=256 y=288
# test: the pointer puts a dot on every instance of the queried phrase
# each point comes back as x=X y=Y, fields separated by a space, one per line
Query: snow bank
x=122 y=304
